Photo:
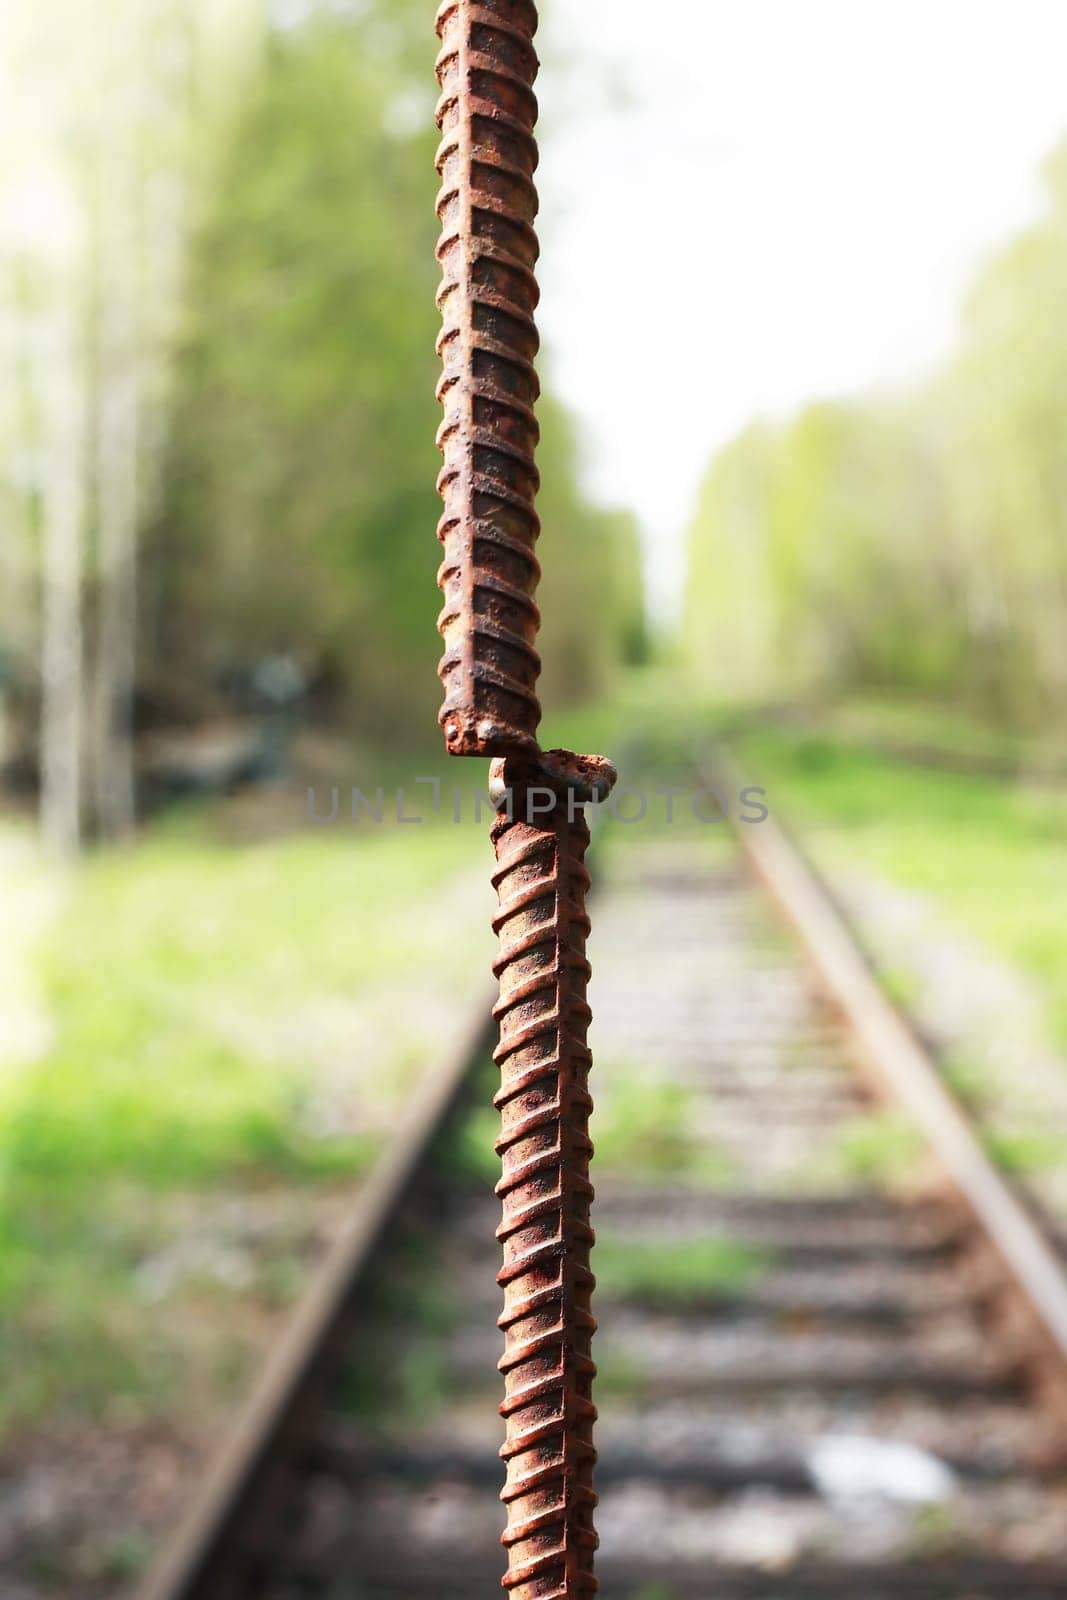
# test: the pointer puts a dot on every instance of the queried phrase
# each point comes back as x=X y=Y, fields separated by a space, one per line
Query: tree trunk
x=61 y=651
x=117 y=476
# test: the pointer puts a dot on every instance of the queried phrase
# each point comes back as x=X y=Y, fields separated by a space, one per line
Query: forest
x=911 y=541
x=218 y=463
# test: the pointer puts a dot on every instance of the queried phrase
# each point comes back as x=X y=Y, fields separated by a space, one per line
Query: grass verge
x=988 y=852
x=231 y=1025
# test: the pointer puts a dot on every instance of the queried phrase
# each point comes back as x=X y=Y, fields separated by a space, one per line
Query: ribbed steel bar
x=488 y=345
x=489 y=387
x=544 y=1101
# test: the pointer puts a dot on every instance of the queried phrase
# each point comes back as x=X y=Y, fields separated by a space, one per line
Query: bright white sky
x=746 y=203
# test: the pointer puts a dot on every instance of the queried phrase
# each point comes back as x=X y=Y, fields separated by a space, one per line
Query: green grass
x=643 y=1123
x=677 y=1271
x=879 y=1149
x=398 y=1370
x=620 y=1376
x=989 y=854
x=472 y=1154
x=1028 y=1152
x=925 y=725
x=967 y=1077
x=173 y=984
x=227 y=1020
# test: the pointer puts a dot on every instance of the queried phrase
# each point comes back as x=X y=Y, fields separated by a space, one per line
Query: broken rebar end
x=465 y=736
x=586 y=779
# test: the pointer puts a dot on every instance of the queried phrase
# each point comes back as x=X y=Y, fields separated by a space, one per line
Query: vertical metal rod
x=544 y=1101
x=488 y=345
x=489 y=387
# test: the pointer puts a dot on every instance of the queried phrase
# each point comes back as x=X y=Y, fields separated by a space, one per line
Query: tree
x=917 y=541
x=62 y=649
x=138 y=108
x=300 y=506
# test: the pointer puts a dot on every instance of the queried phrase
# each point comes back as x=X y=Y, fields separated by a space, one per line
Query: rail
x=215 y=1535
x=210 y=1537
x=903 y=1071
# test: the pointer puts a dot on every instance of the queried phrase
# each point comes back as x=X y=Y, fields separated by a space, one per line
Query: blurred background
x=804 y=471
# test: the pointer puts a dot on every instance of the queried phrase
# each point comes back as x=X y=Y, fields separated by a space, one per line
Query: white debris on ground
x=852 y=1467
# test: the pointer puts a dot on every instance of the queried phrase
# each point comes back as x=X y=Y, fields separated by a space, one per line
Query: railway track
x=825 y=1370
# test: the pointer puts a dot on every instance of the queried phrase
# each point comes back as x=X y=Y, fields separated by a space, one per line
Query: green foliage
x=228 y=1022
x=621 y=1375
x=969 y=1079
x=1028 y=1152
x=672 y=1270
x=384 y=1381
x=987 y=852
x=300 y=506
x=880 y=1149
x=474 y=1154
x=171 y=986
x=643 y=1123
x=67 y=1298
x=917 y=541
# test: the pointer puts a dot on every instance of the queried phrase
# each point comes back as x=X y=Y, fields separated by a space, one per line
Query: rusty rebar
x=489 y=387
x=488 y=344
x=544 y=1101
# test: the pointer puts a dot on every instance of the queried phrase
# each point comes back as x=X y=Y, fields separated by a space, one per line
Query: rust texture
x=488 y=388
x=541 y=882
